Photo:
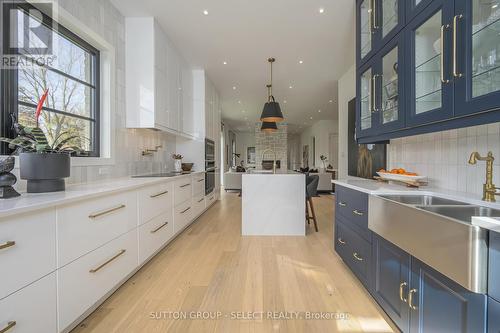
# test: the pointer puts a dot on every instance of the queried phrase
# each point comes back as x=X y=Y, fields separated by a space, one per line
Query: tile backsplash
x=443 y=157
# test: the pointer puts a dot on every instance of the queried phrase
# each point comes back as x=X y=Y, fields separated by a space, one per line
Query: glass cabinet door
x=391 y=17
x=431 y=88
x=366 y=103
x=476 y=66
x=365 y=21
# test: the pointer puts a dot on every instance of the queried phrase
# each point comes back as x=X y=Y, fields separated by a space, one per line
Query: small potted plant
x=323 y=160
x=43 y=165
x=177 y=162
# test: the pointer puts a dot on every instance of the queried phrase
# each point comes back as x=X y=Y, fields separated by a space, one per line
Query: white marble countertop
x=270 y=172
x=374 y=187
x=29 y=202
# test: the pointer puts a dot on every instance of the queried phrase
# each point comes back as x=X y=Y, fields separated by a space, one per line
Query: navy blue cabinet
x=430 y=89
x=494 y=266
x=493 y=316
x=391 y=280
x=414 y=7
x=440 y=305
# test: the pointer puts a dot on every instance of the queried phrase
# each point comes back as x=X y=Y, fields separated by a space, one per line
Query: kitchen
x=294 y=166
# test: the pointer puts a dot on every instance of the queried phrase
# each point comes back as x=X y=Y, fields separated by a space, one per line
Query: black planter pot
x=44 y=172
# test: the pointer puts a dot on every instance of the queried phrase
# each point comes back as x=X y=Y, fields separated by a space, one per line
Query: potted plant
x=324 y=159
x=43 y=165
x=177 y=162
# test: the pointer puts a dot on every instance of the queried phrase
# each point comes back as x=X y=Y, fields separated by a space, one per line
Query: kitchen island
x=273 y=204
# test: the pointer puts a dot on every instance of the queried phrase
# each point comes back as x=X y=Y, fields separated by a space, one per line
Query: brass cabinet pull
x=159 y=228
x=455 y=27
x=410 y=299
x=201 y=200
x=10 y=324
x=185 y=210
x=158 y=194
x=357 y=212
x=95 y=215
x=357 y=257
x=443 y=27
x=374 y=10
x=185 y=185
x=342 y=204
x=97 y=269
x=401 y=292
x=7 y=245
x=374 y=98
x=341 y=241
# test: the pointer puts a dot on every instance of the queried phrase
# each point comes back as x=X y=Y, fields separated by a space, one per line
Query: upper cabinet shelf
x=448 y=58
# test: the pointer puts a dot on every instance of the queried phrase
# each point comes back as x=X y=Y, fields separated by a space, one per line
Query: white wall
x=321 y=131
x=347 y=91
x=243 y=141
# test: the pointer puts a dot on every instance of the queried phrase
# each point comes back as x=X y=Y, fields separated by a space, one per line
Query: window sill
x=78 y=161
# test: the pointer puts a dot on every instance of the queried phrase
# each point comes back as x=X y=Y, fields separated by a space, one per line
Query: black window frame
x=9 y=84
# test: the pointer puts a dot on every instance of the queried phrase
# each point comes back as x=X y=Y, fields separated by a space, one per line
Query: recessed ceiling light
x=284 y=102
x=321 y=10
x=319 y=111
x=330 y=101
x=494 y=6
x=291 y=87
x=301 y=61
x=311 y=118
x=234 y=88
x=205 y=12
x=224 y=63
x=239 y=102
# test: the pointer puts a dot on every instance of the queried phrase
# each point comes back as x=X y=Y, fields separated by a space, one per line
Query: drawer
x=85 y=226
x=355 y=251
x=28 y=249
x=82 y=283
x=198 y=205
x=183 y=214
x=154 y=234
x=494 y=266
x=210 y=199
x=340 y=241
x=182 y=190
x=353 y=205
x=31 y=309
x=493 y=316
x=199 y=184
x=154 y=200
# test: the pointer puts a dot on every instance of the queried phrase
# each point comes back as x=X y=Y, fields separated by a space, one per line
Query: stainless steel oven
x=209 y=150
x=209 y=177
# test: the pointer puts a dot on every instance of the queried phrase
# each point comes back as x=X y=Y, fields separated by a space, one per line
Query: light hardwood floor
x=212 y=270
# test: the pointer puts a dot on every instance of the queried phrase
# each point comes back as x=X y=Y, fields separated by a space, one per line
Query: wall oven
x=209 y=166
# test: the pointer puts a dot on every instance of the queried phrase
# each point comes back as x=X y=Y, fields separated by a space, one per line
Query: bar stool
x=311 y=191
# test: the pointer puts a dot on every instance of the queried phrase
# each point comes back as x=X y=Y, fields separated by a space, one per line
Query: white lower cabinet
x=183 y=214
x=198 y=205
x=154 y=234
x=154 y=200
x=82 y=283
x=182 y=190
x=31 y=309
x=27 y=249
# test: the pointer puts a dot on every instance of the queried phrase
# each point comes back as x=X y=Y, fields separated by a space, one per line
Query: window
x=71 y=75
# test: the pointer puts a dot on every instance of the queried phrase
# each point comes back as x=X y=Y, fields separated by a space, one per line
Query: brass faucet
x=489 y=189
x=274 y=161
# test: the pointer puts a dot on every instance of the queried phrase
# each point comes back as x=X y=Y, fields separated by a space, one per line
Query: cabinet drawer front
x=353 y=206
x=341 y=241
x=182 y=190
x=154 y=234
x=198 y=185
x=85 y=281
x=31 y=309
x=85 y=226
x=494 y=266
x=182 y=215
x=27 y=249
x=210 y=199
x=154 y=200
x=198 y=205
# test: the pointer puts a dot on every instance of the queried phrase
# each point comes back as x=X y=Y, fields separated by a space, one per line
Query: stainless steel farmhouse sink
x=463 y=213
x=440 y=236
x=422 y=200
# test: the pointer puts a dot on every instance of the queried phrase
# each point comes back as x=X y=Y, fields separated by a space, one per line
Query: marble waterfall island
x=273 y=204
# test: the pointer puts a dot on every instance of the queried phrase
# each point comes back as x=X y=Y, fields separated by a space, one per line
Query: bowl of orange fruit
x=400 y=174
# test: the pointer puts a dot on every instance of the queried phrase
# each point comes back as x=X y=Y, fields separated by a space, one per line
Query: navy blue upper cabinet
x=413 y=7
x=440 y=305
x=476 y=55
x=378 y=22
x=366 y=103
x=430 y=86
x=391 y=275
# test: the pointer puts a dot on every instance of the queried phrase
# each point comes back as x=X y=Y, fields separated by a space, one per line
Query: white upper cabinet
x=158 y=80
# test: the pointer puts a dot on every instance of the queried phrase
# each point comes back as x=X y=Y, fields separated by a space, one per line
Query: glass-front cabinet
x=378 y=22
x=476 y=55
x=365 y=102
x=430 y=86
x=414 y=7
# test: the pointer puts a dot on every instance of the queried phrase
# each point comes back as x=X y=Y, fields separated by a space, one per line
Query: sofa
x=232 y=180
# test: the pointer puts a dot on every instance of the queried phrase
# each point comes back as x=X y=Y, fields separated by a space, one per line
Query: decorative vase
x=45 y=172
x=178 y=165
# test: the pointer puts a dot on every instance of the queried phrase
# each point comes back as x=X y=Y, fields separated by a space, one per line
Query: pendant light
x=268 y=127
x=272 y=111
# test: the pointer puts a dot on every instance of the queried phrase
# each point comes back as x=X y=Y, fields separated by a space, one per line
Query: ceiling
x=244 y=34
